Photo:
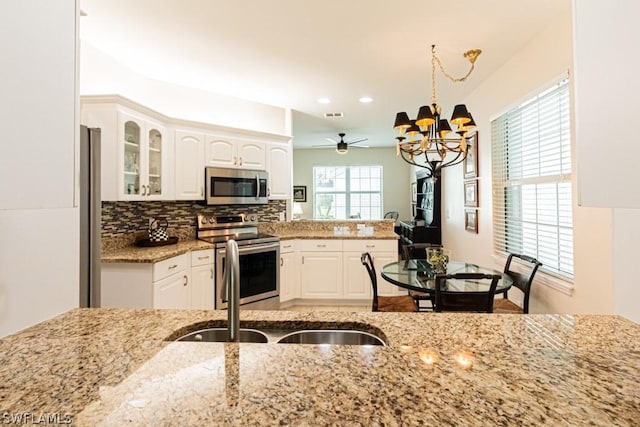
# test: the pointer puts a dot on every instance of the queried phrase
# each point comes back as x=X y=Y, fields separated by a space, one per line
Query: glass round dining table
x=418 y=275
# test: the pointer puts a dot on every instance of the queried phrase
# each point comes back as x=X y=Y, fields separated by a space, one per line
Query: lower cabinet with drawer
x=184 y=281
x=357 y=284
x=164 y=284
x=289 y=271
x=321 y=269
x=202 y=279
x=331 y=269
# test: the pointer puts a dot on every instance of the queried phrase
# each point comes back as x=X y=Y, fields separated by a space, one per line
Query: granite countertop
x=113 y=367
x=130 y=253
x=137 y=254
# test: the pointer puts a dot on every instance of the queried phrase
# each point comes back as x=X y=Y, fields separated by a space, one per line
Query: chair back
x=522 y=281
x=391 y=215
x=366 y=260
x=479 y=302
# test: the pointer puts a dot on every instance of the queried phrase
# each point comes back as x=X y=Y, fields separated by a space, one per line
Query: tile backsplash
x=120 y=218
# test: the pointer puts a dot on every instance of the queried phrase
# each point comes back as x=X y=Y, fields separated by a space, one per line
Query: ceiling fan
x=342 y=146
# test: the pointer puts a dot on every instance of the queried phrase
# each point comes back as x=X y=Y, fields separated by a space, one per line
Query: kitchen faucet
x=231 y=290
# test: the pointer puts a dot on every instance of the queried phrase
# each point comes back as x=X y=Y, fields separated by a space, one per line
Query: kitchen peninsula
x=116 y=367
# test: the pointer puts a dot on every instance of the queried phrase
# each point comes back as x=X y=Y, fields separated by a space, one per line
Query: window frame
x=347 y=192
x=501 y=181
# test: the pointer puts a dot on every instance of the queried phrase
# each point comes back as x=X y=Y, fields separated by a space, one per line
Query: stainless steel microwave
x=225 y=186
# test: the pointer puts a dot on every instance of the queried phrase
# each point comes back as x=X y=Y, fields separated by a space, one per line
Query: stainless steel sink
x=221 y=335
x=331 y=336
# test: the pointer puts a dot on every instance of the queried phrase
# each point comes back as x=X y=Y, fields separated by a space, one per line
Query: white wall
x=608 y=86
x=395 y=192
x=538 y=65
x=39 y=222
x=100 y=74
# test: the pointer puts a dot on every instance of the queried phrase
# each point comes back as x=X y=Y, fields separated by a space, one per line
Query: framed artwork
x=414 y=192
x=470 y=164
x=299 y=193
x=471 y=220
x=471 y=193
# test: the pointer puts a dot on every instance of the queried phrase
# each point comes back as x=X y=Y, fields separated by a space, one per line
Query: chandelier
x=428 y=134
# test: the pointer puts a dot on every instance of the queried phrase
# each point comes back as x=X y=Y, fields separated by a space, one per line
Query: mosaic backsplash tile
x=121 y=218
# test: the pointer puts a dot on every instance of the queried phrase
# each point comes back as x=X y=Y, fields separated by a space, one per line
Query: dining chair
x=521 y=281
x=382 y=303
x=477 y=302
x=419 y=251
x=391 y=215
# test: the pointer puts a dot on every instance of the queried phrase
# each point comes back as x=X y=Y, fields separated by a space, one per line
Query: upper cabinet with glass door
x=143 y=153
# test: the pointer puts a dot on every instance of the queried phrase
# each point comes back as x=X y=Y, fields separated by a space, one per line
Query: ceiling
x=290 y=53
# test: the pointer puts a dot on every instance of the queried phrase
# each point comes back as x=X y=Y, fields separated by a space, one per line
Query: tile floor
x=342 y=308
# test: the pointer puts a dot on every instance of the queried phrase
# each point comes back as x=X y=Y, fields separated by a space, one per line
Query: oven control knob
x=212 y=220
x=252 y=218
x=203 y=220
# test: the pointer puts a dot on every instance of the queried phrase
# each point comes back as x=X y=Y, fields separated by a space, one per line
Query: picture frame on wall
x=470 y=163
x=471 y=220
x=299 y=193
x=471 y=193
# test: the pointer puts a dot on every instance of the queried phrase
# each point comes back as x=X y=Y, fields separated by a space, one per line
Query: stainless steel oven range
x=259 y=255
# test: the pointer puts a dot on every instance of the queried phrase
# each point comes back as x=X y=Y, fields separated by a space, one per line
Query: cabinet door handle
x=240 y=161
x=201 y=192
x=211 y=273
x=321 y=246
x=235 y=160
x=370 y=246
x=204 y=257
x=286 y=246
x=281 y=262
x=173 y=266
x=185 y=280
x=303 y=259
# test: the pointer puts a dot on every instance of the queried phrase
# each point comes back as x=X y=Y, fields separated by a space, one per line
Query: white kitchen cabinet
x=356 y=277
x=134 y=151
x=279 y=166
x=229 y=152
x=357 y=283
x=172 y=291
x=356 y=280
x=321 y=269
x=164 y=284
x=289 y=271
x=142 y=149
x=202 y=279
x=189 y=165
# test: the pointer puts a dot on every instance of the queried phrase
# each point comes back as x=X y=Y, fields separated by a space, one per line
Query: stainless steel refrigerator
x=90 y=217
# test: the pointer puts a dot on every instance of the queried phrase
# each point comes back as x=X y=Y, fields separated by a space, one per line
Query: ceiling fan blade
x=325 y=145
x=355 y=141
x=358 y=146
x=332 y=140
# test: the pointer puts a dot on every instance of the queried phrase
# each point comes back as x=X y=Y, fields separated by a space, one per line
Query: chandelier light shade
x=429 y=141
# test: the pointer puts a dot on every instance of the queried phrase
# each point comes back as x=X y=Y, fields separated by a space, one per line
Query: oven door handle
x=258 y=247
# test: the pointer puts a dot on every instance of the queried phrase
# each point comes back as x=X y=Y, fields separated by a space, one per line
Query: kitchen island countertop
x=114 y=367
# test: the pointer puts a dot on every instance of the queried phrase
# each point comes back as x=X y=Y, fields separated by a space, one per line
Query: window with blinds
x=532 y=208
x=342 y=192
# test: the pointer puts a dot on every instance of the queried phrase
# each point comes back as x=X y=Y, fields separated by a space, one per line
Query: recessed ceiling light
x=324 y=100
x=366 y=99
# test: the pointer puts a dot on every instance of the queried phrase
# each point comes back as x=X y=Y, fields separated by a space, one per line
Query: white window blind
x=532 y=210
x=342 y=192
